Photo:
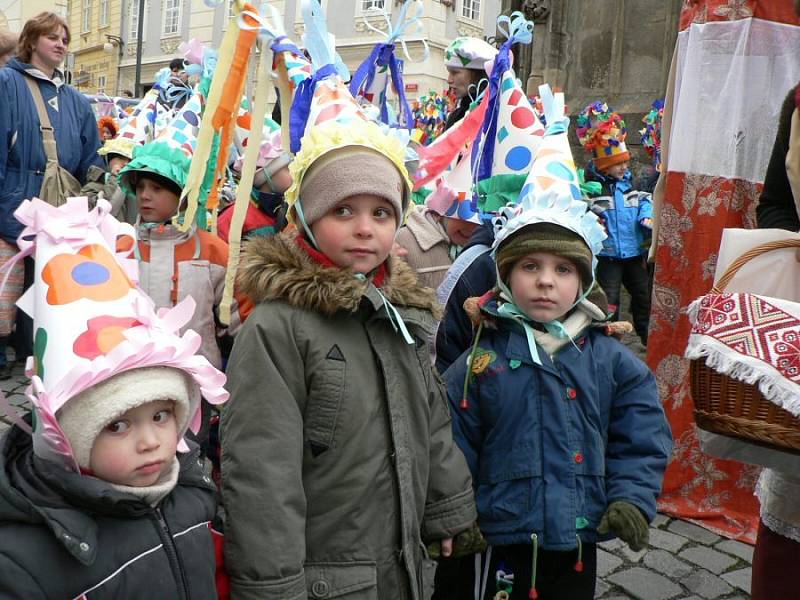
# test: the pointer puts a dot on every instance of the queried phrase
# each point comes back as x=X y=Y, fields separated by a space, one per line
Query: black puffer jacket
x=115 y=546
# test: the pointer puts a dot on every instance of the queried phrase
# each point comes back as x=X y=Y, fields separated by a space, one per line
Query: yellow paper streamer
x=264 y=90
x=205 y=137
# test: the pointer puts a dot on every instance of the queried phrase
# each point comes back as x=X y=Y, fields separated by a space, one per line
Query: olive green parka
x=338 y=461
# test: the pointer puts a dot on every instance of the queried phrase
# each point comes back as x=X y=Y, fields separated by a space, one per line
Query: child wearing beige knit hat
x=337 y=433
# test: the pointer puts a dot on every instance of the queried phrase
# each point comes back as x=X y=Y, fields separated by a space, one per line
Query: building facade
x=14 y=13
x=96 y=46
x=168 y=22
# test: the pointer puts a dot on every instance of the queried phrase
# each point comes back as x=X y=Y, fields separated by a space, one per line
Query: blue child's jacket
x=624 y=210
x=551 y=446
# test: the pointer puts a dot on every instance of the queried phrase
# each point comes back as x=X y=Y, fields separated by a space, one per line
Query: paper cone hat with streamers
x=382 y=67
x=90 y=320
x=137 y=129
x=326 y=117
x=602 y=132
x=511 y=132
x=170 y=154
x=453 y=196
x=551 y=193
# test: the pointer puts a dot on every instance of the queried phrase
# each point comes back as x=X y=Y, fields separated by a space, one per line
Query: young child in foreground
x=337 y=446
x=95 y=502
x=561 y=425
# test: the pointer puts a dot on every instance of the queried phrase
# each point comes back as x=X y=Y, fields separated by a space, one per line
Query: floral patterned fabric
x=705 y=11
x=715 y=493
x=695 y=199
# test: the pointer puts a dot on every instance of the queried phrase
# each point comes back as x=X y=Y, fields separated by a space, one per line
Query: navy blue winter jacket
x=22 y=158
x=625 y=209
x=455 y=330
x=550 y=446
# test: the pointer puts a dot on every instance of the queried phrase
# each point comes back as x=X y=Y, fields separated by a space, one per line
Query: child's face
x=136 y=449
x=459 y=80
x=458 y=231
x=544 y=285
x=281 y=181
x=116 y=164
x=358 y=232
x=618 y=171
x=157 y=204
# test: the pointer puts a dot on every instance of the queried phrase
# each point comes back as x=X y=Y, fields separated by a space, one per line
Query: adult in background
x=41 y=49
x=467 y=60
x=778 y=541
x=8 y=45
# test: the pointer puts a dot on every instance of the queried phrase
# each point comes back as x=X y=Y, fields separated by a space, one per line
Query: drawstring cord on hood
x=579 y=564
x=394 y=315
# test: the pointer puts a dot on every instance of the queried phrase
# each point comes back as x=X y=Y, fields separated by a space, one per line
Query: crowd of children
x=349 y=458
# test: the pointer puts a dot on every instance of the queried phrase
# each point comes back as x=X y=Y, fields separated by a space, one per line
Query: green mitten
x=627 y=522
x=466 y=543
x=469 y=542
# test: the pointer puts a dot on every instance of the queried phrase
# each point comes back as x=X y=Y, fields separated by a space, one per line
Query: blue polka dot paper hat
x=551 y=193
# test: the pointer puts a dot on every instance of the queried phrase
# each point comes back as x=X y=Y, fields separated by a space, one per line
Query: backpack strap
x=46 y=129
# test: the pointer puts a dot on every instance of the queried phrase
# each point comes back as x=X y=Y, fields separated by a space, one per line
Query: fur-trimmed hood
x=277 y=268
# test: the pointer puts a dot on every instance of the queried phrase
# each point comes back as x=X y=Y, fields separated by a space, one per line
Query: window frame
x=86 y=16
x=474 y=7
x=177 y=11
x=104 y=9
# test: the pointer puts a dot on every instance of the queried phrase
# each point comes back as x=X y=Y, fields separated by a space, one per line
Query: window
x=133 y=31
x=86 y=16
x=471 y=9
x=101 y=83
x=172 y=17
x=103 y=13
x=370 y=4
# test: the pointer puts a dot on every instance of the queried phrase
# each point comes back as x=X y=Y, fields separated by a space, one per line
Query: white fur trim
x=84 y=417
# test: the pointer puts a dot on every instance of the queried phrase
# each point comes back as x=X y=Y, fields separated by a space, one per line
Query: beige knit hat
x=84 y=416
x=545 y=237
x=350 y=171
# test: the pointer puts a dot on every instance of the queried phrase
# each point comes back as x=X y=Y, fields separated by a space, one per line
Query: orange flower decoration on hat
x=102 y=335
x=93 y=273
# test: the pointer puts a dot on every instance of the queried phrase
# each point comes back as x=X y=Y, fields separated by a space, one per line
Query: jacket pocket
x=426 y=574
x=324 y=403
x=591 y=490
x=342 y=580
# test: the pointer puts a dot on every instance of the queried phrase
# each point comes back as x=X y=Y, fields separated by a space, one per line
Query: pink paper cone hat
x=90 y=320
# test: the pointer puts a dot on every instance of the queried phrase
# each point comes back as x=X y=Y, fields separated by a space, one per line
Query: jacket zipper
x=172 y=554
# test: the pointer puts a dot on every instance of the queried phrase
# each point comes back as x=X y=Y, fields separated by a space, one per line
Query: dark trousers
x=633 y=274
x=556 y=577
x=774 y=564
x=22 y=338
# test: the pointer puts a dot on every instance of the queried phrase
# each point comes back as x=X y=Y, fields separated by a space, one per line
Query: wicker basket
x=730 y=407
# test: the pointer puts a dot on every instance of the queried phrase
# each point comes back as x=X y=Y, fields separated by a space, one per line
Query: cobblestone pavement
x=684 y=561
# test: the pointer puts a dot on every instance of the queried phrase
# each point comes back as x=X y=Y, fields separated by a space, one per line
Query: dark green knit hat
x=545 y=237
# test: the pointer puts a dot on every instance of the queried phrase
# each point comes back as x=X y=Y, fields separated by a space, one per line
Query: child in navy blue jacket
x=627 y=213
x=561 y=424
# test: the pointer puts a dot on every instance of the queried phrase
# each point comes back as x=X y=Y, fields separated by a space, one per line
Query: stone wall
x=614 y=50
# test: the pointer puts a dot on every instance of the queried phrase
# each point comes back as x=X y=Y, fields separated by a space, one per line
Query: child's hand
x=442 y=548
x=647 y=223
x=627 y=522
x=466 y=543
